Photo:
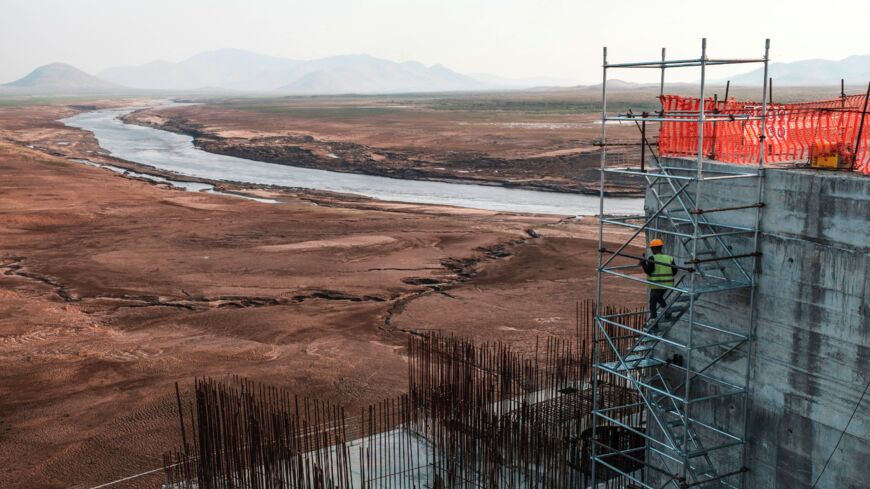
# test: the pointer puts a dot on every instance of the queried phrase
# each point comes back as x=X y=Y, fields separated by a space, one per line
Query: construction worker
x=659 y=269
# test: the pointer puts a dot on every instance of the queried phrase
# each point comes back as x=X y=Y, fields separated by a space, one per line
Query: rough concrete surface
x=811 y=359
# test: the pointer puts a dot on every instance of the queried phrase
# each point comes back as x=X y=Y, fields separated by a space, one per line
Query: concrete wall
x=811 y=358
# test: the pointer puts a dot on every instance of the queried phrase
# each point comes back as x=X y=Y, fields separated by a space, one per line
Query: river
x=176 y=153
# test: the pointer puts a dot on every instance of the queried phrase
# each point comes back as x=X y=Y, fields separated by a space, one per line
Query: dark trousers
x=656 y=299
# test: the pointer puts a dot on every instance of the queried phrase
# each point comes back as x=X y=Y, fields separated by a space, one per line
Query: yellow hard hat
x=656 y=242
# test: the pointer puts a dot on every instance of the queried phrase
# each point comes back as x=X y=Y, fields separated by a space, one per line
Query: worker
x=660 y=269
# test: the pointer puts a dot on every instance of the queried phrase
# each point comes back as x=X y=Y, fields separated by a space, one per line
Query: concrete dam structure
x=754 y=374
x=811 y=359
x=810 y=362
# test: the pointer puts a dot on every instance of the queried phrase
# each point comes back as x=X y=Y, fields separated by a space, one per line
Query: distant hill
x=228 y=69
x=520 y=83
x=60 y=78
x=242 y=70
x=238 y=70
x=365 y=74
x=615 y=84
x=812 y=72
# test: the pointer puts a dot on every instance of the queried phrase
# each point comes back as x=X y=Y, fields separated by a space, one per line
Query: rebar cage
x=690 y=366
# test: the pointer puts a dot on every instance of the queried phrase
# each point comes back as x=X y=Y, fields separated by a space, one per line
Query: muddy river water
x=176 y=153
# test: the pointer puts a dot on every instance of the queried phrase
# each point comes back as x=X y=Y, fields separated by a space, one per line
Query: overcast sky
x=514 y=38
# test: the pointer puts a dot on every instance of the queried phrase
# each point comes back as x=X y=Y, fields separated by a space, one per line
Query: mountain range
x=855 y=70
x=244 y=71
x=234 y=69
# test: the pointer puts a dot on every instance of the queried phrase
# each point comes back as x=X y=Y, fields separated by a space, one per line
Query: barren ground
x=112 y=289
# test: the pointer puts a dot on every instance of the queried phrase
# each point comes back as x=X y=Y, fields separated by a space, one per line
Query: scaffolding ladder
x=690 y=366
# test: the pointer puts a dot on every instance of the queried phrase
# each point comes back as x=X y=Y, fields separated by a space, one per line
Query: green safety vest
x=662 y=273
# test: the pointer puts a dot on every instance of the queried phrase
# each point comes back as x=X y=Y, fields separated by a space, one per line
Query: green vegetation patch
x=26 y=101
x=348 y=112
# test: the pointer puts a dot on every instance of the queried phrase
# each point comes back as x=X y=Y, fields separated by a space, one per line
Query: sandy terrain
x=112 y=289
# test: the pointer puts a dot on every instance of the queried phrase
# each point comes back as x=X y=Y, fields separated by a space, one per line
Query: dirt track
x=113 y=289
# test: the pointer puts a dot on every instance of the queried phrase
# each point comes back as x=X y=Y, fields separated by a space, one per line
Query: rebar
x=483 y=415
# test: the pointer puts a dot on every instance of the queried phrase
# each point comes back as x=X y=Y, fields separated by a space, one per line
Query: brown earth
x=112 y=289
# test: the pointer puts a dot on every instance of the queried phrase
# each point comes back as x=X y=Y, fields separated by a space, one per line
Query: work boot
x=653 y=326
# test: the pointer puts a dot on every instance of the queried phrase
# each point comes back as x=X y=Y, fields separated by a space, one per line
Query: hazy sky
x=513 y=38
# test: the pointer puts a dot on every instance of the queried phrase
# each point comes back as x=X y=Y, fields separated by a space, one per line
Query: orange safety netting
x=792 y=130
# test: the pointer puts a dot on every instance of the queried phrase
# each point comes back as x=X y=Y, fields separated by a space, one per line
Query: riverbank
x=114 y=288
x=278 y=139
x=176 y=153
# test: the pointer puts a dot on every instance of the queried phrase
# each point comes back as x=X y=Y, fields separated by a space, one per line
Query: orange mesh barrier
x=792 y=130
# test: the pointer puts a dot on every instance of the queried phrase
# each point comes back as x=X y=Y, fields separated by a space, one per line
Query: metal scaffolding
x=690 y=366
